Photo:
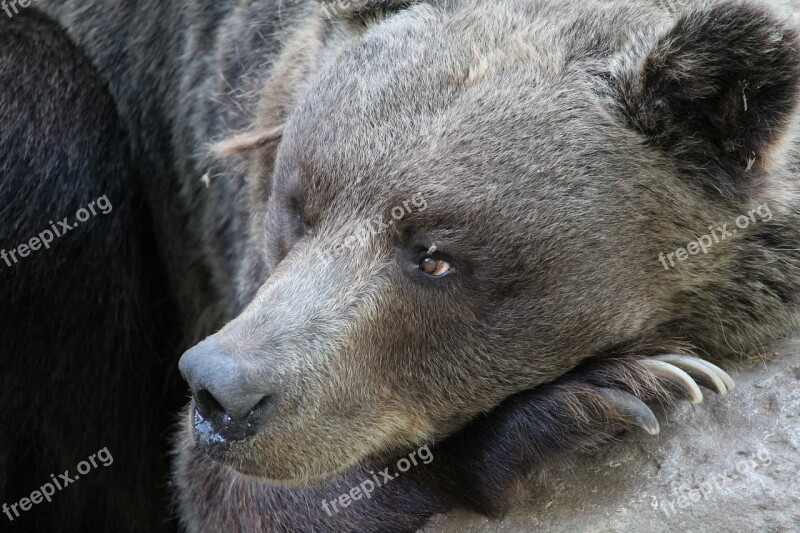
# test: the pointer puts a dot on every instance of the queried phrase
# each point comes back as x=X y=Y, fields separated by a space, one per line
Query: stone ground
x=731 y=463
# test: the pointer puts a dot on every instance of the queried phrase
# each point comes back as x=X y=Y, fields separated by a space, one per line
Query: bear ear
x=718 y=88
x=244 y=143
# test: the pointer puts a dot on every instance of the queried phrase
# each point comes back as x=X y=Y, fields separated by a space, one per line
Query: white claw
x=722 y=375
x=677 y=377
x=703 y=372
x=634 y=410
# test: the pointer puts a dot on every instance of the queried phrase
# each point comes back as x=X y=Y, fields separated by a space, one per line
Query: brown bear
x=496 y=228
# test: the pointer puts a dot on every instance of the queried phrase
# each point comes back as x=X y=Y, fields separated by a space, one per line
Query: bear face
x=465 y=201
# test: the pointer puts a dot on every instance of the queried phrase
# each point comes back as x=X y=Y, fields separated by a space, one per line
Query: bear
x=498 y=229
x=86 y=375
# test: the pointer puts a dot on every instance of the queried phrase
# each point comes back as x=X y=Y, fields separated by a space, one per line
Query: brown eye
x=434 y=267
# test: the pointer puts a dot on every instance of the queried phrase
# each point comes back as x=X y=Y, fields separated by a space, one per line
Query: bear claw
x=703 y=372
x=676 y=377
x=632 y=409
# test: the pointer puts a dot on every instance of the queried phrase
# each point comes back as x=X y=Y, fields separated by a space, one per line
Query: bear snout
x=230 y=402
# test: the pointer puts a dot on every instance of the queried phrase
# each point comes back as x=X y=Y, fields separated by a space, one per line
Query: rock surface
x=731 y=463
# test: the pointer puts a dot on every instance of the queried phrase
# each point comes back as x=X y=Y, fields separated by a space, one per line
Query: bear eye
x=435 y=268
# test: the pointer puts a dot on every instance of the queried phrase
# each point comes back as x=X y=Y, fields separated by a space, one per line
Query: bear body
x=395 y=217
x=83 y=365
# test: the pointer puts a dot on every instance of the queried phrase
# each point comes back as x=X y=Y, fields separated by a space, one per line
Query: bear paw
x=490 y=463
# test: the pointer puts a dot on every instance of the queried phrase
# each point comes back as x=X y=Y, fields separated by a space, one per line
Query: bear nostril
x=208 y=407
x=214 y=418
x=257 y=416
x=261 y=405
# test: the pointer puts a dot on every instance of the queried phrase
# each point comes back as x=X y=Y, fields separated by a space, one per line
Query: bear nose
x=229 y=402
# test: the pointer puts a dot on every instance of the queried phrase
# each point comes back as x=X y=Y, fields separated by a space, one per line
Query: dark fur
x=561 y=149
x=83 y=363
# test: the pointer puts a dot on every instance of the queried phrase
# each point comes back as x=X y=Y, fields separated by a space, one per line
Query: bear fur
x=559 y=152
x=83 y=364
